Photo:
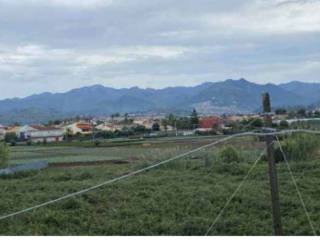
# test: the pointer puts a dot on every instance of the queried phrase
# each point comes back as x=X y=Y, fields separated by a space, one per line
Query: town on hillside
x=127 y=125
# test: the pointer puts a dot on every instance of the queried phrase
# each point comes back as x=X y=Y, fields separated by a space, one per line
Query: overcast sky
x=57 y=45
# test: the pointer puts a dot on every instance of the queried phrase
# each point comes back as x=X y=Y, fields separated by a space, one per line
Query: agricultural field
x=182 y=197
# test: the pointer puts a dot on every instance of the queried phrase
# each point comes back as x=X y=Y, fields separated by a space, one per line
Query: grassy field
x=180 y=198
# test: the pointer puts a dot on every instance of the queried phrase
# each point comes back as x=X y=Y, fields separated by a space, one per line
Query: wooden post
x=277 y=228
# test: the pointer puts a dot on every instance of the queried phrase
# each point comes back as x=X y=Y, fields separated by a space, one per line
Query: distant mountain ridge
x=229 y=96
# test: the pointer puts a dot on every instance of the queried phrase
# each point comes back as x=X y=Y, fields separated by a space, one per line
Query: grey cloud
x=54 y=46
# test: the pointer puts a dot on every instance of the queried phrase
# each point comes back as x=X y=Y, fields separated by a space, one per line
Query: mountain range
x=229 y=96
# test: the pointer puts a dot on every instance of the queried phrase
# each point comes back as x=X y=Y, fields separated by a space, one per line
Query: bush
x=229 y=154
x=284 y=124
x=4 y=155
x=298 y=147
x=229 y=161
x=10 y=138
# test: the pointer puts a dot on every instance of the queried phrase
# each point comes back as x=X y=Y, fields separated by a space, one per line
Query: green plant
x=10 y=137
x=4 y=155
x=298 y=147
x=229 y=154
x=97 y=143
x=284 y=124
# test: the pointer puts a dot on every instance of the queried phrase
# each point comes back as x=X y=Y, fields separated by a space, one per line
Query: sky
x=57 y=45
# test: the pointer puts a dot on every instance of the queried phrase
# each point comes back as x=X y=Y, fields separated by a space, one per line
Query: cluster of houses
x=56 y=133
x=41 y=133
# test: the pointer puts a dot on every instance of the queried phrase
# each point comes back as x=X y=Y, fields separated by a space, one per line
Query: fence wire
x=235 y=192
x=120 y=178
x=283 y=132
x=297 y=188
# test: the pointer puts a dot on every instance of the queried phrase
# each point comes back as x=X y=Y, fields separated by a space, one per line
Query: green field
x=182 y=197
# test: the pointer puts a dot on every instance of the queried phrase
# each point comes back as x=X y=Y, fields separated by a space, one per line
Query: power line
x=119 y=178
x=234 y=193
x=297 y=188
x=151 y=167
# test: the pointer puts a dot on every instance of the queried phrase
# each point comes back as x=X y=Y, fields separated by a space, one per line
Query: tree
x=183 y=123
x=194 y=120
x=172 y=119
x=165 y=124
x=126 y=115
x=68 y=134
x=156 y=127
x=4 y=155
x=284 y=124
x=301 y=112
x=57 y=122
x=257 y=123
x=316 y=114
x=140 y=129
x=10 y=137
x=280 y=111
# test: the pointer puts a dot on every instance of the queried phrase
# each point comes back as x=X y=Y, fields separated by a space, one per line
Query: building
x=79 y=128
x=208 y=123
x=109 y=127
x=2 y=132
x=146 y=122
x=39 y=133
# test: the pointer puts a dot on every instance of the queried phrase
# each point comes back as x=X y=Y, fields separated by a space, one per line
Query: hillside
x=230 y=96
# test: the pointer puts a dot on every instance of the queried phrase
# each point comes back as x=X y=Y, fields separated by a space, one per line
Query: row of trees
x=4 y=154
x=190 y=122
x=299 y=113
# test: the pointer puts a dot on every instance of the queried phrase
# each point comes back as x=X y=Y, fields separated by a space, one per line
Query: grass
x=180 y=198
x=52 y=154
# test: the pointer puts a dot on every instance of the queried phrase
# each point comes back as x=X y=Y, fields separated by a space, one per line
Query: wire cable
x=234 y=193
x=119 y=178
x=297 y=188
x=151 y=167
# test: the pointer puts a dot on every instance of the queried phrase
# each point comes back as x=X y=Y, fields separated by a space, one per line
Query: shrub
x=10 y=137
x=229 y=161
x=229 y=154
x=4 y=155
x=97 y=143
x=284 y=124
x=71 y=204
x=298 y=147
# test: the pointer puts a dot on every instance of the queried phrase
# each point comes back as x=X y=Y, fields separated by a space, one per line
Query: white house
x=109 y=127
x=2 y=132
x=146 y=122
x=38 y=133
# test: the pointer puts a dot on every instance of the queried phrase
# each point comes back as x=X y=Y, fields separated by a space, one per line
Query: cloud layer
x=57 y=45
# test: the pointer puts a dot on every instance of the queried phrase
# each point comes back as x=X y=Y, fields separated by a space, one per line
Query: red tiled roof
x=84 y=126
x=43 y=128
x=209 y=122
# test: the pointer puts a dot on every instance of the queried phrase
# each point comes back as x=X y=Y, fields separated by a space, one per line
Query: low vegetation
x=4 y=155
x=298 y=147
x=182 y=197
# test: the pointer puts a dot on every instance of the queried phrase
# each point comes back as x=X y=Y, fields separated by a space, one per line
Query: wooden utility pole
x=277 y=227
